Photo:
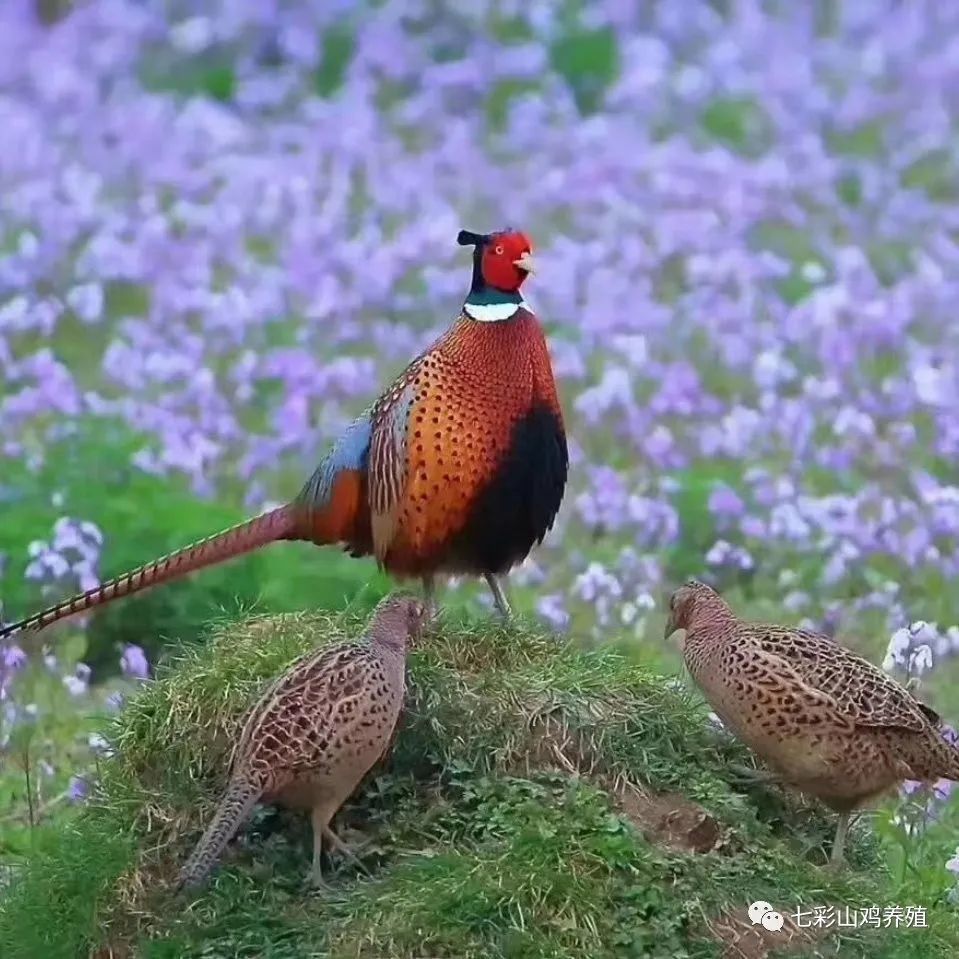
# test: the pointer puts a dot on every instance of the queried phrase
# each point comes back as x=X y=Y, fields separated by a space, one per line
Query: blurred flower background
x=223 y=224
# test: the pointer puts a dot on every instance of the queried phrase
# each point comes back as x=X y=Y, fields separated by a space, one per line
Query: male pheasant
x=458 y=468
x=829 y=722
x=315 y=733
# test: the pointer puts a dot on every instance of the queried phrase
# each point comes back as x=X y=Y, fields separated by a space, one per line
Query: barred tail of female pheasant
x=234 y=809
x=276 y=525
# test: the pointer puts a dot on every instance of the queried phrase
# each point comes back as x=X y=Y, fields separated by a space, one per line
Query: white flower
x=921 y=660
x=897 y=649
x=99 y=744
x=75 y=685
x=193 y=34
x=930 y=385
x=715 y=721
x=921 y=631
x=645 y=601
x=91 y=532
x=812 y=272
x=36 y=547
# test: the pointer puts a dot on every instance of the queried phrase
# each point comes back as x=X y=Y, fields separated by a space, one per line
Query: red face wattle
x=507 y=261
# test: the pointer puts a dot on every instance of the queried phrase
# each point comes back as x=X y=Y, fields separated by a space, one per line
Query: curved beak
x=525 y=263
x=671 y=627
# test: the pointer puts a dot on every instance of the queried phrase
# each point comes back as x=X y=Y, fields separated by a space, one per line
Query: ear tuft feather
x=469 y=238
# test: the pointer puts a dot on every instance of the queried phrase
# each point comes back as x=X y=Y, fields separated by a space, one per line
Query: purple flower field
x=228 y=224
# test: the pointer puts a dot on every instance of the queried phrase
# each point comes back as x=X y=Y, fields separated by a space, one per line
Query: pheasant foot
x=753 y=776
x=343 y=849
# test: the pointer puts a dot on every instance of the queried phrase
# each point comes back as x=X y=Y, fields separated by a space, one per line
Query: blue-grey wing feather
x=351 y=452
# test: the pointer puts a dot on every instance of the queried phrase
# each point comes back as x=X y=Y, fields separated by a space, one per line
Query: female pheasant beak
x=525 y=263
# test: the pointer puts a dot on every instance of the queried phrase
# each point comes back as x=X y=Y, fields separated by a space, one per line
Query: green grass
x=144 y=517
x=589 y=62
x=60 y=898
x=517 y=817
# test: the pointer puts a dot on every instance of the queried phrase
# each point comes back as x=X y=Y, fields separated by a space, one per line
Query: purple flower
x=13 y=657
x=69 y=560
x=78 y=789
x=942 y=789
x=553 y=611
x=87 y=301
x=75 y=685
x=134 y=662
x=595 y=581
x=726 y=554
x=724 y=503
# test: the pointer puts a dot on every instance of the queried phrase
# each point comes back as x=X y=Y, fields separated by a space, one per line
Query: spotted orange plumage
x=464 y=401
x=458 y=468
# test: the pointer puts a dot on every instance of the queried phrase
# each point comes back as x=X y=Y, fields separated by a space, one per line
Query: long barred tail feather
x=278 y=524
x=233 y=810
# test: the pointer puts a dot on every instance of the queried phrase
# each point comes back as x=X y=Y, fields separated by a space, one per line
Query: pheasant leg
x=429 y=596
x=342 y=848
x=499 y=597
x=842 y=827
x=320 y=818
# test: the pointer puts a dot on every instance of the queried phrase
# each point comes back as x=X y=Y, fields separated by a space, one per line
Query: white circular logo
x=773 y=921
x=762 y=913
x=759 y=909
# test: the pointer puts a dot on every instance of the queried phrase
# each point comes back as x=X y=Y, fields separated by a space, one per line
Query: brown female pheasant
x=829 y=722
x=315 y=733
x=458 y=468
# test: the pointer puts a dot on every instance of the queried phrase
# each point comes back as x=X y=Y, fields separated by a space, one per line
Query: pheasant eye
x=499 y=250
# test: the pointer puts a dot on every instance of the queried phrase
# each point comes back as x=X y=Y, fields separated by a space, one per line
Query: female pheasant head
x=398 y=621
x=501 y=263
x=695 y=605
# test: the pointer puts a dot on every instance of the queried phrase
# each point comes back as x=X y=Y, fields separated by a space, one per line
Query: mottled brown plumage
x=827 y=721
x=315 y=733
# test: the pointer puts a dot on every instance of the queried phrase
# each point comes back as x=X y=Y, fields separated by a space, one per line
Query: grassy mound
x=542 y=801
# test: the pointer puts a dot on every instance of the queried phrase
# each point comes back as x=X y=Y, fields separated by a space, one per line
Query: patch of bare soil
x=744 y=940
x=670 y=820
